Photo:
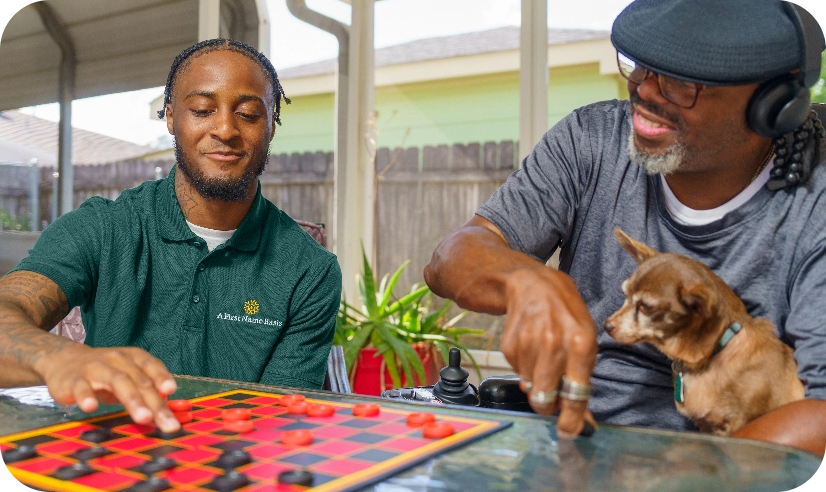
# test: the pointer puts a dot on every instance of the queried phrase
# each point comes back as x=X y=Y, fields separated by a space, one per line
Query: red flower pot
x=367 y=380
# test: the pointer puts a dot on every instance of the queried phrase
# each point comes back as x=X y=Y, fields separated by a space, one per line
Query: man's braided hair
x=790 y=168
x=210 y=45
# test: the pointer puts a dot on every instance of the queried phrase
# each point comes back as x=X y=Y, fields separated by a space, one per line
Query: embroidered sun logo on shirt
x=251 y=307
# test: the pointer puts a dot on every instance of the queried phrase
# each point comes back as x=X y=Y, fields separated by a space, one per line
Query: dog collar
x=679 y=385
x=732 y=330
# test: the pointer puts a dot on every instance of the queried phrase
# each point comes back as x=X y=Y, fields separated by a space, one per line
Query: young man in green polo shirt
x=194 y=274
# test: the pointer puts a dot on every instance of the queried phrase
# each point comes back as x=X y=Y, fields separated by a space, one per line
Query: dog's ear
x=696 y=298
x=639 y=251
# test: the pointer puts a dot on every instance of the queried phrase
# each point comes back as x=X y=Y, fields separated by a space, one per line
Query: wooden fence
x=423 y=195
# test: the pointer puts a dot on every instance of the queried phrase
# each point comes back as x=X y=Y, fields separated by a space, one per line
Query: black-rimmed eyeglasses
x=680 y=92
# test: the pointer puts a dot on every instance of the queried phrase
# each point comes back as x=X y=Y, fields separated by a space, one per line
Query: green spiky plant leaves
x=394 y=325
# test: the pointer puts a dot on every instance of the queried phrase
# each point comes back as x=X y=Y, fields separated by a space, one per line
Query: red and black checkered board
x=348 y=452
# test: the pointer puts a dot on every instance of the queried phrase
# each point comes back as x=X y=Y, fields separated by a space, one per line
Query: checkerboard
x=348 y=452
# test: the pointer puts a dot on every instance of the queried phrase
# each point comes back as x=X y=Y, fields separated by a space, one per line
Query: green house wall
x=460 y=110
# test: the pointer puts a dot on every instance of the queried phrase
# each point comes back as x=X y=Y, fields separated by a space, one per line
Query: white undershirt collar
x=691 y=217
x=213 y=237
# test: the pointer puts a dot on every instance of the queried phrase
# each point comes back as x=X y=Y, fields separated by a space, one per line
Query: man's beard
x=224 y=189
x=665 y=163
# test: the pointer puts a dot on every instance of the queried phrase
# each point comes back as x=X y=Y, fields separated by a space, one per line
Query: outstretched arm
x=800 y=424
x=30 y=305
x=548 y=330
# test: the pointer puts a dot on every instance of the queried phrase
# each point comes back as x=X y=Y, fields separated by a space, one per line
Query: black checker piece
x=367 y=438
x=169 y=435
x=375 y=455
x=229 y=482
x=232 y=445
x=230 y=460
x=74 y=471
x=87 y=454
x=158 y=464
x=304 y=459
x=154 y=484
x=21 y=453
x=99 y=435
x=296 y=477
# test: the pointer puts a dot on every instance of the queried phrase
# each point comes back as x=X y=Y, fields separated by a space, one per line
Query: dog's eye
x=644 y=308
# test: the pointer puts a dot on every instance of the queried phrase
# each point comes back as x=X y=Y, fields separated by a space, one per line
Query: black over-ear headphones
x=782 y=104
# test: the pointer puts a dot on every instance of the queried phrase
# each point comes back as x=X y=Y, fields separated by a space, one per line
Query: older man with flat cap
x=718 y=155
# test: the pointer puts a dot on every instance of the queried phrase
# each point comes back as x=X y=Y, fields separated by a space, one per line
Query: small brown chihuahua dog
x=729 y=368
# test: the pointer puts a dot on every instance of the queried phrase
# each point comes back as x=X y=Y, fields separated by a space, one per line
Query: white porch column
x=533 y=75
x=209 y=19
x=263 y=27
x=64 y=190
x=353 y=215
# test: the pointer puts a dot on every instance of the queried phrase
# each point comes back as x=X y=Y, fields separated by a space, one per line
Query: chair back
x=336 y=379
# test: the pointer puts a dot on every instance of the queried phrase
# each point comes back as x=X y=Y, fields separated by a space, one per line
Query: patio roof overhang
x=61 y=50
x=119 y=46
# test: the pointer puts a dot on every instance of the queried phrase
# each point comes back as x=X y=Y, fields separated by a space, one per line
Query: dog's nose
x=609 y=327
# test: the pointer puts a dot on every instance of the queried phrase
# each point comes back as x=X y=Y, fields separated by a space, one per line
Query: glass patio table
x=525 y=456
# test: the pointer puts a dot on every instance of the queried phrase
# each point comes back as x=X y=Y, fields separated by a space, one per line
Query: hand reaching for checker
x=126 y=375
x=550 y=340
x=30 y=305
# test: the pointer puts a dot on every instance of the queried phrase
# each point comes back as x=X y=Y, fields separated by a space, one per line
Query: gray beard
x=665 y=163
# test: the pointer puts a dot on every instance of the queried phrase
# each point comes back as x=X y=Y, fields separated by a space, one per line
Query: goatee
x=665 y=163
x=224 y=189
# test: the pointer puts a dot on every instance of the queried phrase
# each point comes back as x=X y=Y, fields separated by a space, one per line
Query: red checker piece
x=299 y=408
x=437 y=430
x=183 y=417
x=320 y=411
x=366 y=410
x=240 y=426
x=297 y=437
x=179 y=405
x=236 y=414
x=418 y=419
x=287 y=400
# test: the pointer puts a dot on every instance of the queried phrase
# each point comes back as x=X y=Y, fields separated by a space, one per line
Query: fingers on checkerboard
x=574 y=399
x=155 y=370
x=115 y=372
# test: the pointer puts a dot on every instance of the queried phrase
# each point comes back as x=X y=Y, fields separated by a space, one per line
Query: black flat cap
x=720 y=42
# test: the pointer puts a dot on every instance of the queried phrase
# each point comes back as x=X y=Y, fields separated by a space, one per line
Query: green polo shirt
x=259 y=308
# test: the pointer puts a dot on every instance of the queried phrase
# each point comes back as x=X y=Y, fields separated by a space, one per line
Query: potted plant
x=397 y=337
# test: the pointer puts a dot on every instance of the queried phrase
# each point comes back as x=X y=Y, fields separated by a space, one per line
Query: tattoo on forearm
x=29 y=301
x=37 y=296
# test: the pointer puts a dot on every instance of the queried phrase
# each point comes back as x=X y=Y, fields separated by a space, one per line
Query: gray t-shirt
x=578 y=184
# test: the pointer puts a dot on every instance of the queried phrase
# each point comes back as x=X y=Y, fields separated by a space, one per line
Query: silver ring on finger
x=542 y=397
x=525 y=385
x=571 y=390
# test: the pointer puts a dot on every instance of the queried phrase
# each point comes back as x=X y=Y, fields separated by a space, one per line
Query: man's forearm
x=30 y=305
x=800 y=424
x=471 y=267
x=22 y=345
